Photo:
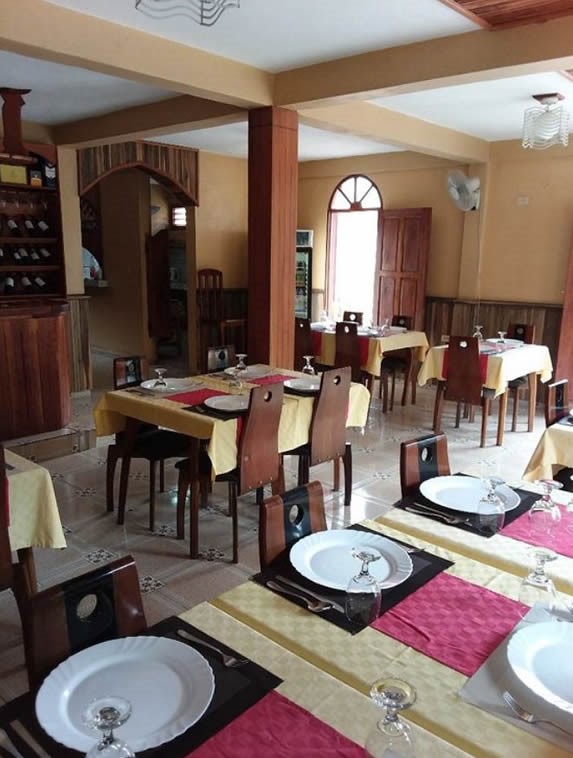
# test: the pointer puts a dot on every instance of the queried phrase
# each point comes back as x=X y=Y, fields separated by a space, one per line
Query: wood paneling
x=273 y=190
x=79 y=343
x=499 y=13
x=565 y=356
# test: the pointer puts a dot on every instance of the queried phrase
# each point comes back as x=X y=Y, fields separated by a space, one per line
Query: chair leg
x=259 y=495
x=182 y=487
x=193 y=520
x=152 y=475
x=125 y=465
x=162 y=475
x=384 y=379
x=233 y=509
x=515 y=393
x=112 y=459
x=439 y=406
x=458 y=415
x=393 y=390
x=501 y=418
x=485 y=406
x=347 y=461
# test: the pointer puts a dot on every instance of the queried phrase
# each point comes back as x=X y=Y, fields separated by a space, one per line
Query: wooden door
x=564 y=368
x=158 y=284
x=400 y=281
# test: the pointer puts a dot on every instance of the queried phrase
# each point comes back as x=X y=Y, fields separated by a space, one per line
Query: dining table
x=553 y=452
x=34 y=518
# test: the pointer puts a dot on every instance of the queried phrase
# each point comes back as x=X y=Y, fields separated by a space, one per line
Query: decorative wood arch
x=173 y=167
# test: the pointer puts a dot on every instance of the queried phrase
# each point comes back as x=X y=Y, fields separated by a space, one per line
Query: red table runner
x=452 y=621
x=279 y=728
x=560 y=539
x=195 y=397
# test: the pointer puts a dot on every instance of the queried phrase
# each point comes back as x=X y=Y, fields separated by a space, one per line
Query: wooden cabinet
x=34 y=368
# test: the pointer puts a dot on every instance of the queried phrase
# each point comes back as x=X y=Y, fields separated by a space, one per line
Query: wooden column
x=273 y=191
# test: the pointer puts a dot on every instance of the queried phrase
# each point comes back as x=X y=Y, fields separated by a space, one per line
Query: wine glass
x=307 y=368
x=391 y=736
x=385 y=327
x=363 y=595
x=477 y=332
x=106 y=714
x=241 y=365
x=160 y=381
x=501 y=339
x=491 y=508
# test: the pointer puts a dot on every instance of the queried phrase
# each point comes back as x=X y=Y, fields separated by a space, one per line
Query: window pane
x=371 y=199
x=349 y=187
x=362 y=186
x=339 y=202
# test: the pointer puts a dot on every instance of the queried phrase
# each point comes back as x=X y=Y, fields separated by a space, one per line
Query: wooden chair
x=348 y=349
x=397 y=362
x=302 y=342
x=258 y=463
x=6 y=567
x=556 y=401
x=526 y=333
x=210 y=312
x=101 y=605
x=464 y=386
x=285 y=519
x=151 y=444
x=219 y=358
x=353 y=316
x=327 y=437
x=421 y=459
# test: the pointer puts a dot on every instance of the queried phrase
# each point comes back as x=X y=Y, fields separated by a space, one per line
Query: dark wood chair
x=213 y=325
x=526 y=333
x=258 y=463
x=396 y=362
x=6 y=568
x=101 y=605
x=421 y=459
x=353 y=316
x=347 y=351
x=556 y=401
x=302 y=342
x=285 y=519
x=463 y=385
x=327 y=436
x=219 y=358
x=151 y=444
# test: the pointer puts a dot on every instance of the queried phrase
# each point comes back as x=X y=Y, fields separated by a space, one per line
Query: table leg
x=27 y=567
x=501 y=418
x=532 y=382
x=194 y=495
x=408 y=379
x=128 y=442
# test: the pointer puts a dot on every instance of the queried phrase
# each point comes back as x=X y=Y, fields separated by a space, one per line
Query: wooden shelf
x=32 y=296
x=19 y=268
x=25 y=187
x=28 y=240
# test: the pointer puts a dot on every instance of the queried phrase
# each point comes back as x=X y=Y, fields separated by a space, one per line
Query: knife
x=424 y=510
x=337 y=606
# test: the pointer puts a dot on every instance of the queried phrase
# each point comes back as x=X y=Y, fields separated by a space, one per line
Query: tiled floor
x=170 y=581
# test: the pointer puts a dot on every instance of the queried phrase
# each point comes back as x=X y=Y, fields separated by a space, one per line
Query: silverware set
x=525 y=715
x=425 y=510
x=230 y=661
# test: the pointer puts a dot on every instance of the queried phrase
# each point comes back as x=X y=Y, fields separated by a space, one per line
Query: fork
x=230 y=661
x=424 y=510
x=316 y=606
x=524 y=715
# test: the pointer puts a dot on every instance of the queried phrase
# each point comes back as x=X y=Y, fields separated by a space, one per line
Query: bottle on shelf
x=9 y=285
x=2 y=257
x=16 y=256
x=24 y=256
x=30 y=227
x=36 y=260
x=44 y=228
x=45 y=253
x=40 y=282
x=13 y=227
x=26 y=283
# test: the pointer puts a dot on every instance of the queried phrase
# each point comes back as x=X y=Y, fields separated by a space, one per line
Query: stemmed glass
x=477 y=332
x=241 y=365
x=307 y=368
x=363 y=595
x=106 y=714
x=385 y=327
x=160 y=381
x=500 y=344
x=391 y=736
x=491 y=508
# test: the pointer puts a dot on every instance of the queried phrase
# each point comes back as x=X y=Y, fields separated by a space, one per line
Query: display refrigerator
x=303 y=273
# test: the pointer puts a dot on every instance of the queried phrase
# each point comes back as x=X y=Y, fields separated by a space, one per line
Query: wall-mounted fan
x=464 y=190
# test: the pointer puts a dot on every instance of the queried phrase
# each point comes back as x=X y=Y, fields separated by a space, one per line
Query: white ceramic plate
x=303 y=385
x=509 y=343
x=231 y=403
x=251 y=372
x=397 y=330
x=463 y=493
x=168 y=683
x=171 y=385
x=541 y=657
x=326 y=558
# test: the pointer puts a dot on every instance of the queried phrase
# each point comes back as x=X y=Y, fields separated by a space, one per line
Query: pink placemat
x=482 y=365
x=316 y=342
x=196 y=397
x=364 y=347
x=279 y=728
x=452 y=621
x=272 y=379
x=559 y=540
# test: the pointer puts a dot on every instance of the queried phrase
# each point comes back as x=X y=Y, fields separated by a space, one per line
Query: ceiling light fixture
x=204 y=12
x=546 y=124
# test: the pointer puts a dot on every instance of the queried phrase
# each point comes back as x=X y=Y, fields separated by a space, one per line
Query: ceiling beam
x=177 y=114
x=459 y=59
x=48 y=32
x=463 y=11
x=394 y=128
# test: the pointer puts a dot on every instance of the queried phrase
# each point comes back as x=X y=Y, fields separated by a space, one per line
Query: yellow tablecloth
x=113 y=408
x=501 y=368
x=327 y=698
x=554 y=451
x=358 y=660
x=34 y=516
x=377 y=347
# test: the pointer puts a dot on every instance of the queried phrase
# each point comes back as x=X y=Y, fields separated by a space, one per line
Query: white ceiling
x=64 y=93
x=280 y=34
x=313 y=143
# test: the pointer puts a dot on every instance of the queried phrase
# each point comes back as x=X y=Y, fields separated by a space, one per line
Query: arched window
x=353 y=230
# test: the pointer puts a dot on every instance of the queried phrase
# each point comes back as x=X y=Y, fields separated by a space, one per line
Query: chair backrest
x=348 y=348
x=285 y=519
x=302 y=341
x=327 y=436
x=258 y=454
x=556 y=401
x=354 y=316
x=463 y=382
x=101 y=605
x=525 y=332
x=405 y=321
x=210 y=294
x=421 y=459
x=219 y=358
x=129 y=371
x=6 y=570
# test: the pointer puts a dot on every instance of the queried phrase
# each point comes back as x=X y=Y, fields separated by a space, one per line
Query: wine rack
x=31 y=256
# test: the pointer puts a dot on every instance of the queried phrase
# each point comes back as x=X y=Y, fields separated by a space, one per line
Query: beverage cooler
x=303 y=274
